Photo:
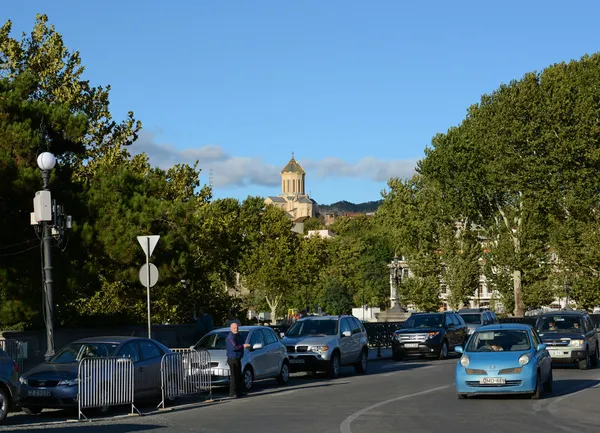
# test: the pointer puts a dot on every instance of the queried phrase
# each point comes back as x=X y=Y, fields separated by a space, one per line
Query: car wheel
x=584 y=364
x=4 y=404
x=284 y=374
x=548 y=383
x=443 y=351
x=32 y=410
x=334 y=366
x=537 y=394
x=248 y=378
x=397 y=356
x=363 y=363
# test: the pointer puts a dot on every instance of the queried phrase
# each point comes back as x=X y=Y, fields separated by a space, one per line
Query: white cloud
x=231 y=171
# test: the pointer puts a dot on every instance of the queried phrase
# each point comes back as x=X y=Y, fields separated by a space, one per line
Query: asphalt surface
x=410 y=396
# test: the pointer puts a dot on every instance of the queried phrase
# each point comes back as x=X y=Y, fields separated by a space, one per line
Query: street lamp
x=43 y=211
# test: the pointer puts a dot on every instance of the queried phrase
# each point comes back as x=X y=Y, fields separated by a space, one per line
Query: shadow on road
x=569 y=386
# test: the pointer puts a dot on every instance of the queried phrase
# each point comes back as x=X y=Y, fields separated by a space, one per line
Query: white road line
x=345 y=425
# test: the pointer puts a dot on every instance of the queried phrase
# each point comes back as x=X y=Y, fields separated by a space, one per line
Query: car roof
x=113 y=339
x=431 y=312
x=507 y=326
x=564 y=313
x=241 y=328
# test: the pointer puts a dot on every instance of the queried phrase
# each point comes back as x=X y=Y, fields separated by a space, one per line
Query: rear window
x=471 y=318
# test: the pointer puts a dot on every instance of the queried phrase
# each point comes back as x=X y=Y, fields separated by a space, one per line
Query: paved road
x=414 y=396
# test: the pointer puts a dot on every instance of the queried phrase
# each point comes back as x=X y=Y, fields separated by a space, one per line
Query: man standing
x=235 y=352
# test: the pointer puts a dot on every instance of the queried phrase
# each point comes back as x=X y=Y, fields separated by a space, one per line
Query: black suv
x=428 y=334
x=570 y=337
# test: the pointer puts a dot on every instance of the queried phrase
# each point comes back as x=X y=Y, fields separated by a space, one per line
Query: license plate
x=492 y=381
x=39 y=393
x=296 y=361
x=555 y=353
x=411 y=345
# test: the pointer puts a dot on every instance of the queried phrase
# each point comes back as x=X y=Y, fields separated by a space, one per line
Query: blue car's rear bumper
x=520 y=383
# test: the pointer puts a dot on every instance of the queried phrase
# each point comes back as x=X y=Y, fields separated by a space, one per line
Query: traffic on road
x=506 y=374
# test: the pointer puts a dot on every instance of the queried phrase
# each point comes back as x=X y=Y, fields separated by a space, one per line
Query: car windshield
x=423 y=321
x=75 y=352
x=217 y=340
x=313 y=327
x=471 y=319
x=499 y=341
x=558 y=323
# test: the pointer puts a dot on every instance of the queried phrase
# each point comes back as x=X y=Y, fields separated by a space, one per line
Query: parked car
x=326 y=343
x=54 y=384
x=428 y=334
x=475 y=319
x=504 y=359
x=571 y=337
x=9 y=384
x=265 y=359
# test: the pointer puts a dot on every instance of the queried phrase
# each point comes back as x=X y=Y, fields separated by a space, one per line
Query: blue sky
x=356 y=89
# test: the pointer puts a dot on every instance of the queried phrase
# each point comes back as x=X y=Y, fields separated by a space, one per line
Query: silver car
x=265 y=359
x=327 y=342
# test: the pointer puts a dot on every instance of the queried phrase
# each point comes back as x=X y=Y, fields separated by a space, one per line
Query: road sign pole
x=148 y=289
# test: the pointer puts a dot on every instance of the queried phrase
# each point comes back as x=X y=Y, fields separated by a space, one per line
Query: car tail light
x=16 y=366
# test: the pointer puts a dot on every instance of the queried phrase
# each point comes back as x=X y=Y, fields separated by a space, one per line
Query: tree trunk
x=519 y=310
x=273 y=306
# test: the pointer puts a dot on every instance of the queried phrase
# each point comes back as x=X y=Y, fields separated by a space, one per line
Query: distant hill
x=346 y=206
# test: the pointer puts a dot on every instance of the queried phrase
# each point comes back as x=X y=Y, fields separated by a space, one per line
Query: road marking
x=345 y=425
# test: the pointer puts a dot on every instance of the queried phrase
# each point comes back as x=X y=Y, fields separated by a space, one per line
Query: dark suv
x=428 y=334
x=570 y=337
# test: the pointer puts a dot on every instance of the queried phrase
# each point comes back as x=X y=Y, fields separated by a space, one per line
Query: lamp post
x=397 y=268
x=46 y=162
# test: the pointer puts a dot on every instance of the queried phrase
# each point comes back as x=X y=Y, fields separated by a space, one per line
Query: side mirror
x=192 y=347
x=459 y=350
x=450 y=326
x=281 y=334
x=257 y=346
x=541 y=347
x=347 y=334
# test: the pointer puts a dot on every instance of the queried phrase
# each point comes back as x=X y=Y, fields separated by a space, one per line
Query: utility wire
x=17 y=253
x=17 y=244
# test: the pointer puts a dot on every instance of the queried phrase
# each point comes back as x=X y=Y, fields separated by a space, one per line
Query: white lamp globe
x=46 y=161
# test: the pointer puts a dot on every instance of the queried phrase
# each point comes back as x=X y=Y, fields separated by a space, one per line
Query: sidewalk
x=386 y=353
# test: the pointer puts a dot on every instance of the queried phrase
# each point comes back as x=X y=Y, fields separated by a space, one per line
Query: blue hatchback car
x=504 y=359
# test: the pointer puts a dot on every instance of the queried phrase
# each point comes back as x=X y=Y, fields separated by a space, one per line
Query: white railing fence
x=105 y=382
x=185 y=372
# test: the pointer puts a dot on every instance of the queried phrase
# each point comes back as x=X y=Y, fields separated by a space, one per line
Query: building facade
x=293 y=198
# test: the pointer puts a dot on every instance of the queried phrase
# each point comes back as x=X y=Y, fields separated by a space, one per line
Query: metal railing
x=17 y=350
x=185 y=372
x=105 y=382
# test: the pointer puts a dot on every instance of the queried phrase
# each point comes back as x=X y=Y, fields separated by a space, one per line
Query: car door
x=544 y=360
x=462 y=330
x=449 y=326
x=346 y=342
x=356 y=337
x=273 y=356
x=258 y=358
x=131 y=350
x=149 y=366
x=590 y=334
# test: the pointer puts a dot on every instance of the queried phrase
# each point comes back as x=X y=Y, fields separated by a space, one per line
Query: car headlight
x=576 y=343
x=524 y=359
x=68 y=382
x=319 y=348
x=433 y=334
x=23 y=380
x=464 y=361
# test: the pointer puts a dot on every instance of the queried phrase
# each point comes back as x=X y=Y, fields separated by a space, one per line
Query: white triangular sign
x=143 y=240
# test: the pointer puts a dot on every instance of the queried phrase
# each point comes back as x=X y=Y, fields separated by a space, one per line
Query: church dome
x=293 y=167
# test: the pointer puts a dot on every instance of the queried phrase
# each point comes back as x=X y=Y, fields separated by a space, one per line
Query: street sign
x=153 y=275
x=148 y=243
